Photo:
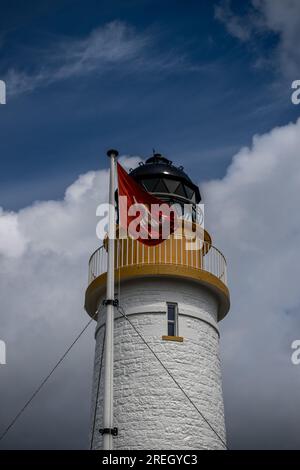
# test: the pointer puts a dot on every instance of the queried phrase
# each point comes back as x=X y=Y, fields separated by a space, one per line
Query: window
x=171 y=185
x=180 y=190
x=161 y=187
x=150 y=183
x=172 y=319
x=190 y=193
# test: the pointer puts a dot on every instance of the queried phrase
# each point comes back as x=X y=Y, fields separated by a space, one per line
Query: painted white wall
x=150 y=411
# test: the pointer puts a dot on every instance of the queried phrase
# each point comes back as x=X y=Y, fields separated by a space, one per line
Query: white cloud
x=253 y=216
x=114 y=47
x=44 y=252
x=12 y=242
x=283 y=18
x=234 y=24
x=109 y=45
x=264 y=17
x=64 y=227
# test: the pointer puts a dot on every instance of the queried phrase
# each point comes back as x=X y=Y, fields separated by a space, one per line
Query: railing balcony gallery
x=173 y=251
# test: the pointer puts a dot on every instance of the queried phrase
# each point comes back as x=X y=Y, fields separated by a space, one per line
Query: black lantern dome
x=170 y=183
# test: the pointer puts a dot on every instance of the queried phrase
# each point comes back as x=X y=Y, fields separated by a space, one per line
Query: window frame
x=175 y=321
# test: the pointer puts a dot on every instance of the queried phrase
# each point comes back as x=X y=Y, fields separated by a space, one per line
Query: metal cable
x=98 y=388
x=121 y=310
x=20 y=412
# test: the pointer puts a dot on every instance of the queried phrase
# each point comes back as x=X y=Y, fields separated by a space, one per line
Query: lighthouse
x=167 y=386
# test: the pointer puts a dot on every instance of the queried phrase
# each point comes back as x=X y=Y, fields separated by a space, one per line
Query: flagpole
x=110 y=297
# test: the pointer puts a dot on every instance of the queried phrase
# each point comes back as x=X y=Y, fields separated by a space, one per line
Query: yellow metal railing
x=173 y=251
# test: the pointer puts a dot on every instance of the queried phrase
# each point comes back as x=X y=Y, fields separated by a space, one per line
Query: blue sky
x=196 y=81
x=181 y=84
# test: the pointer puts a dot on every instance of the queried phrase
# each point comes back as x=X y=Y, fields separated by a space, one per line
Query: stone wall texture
x=150 y=411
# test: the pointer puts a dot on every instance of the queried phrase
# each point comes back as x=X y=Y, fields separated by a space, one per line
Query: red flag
x=144 y=217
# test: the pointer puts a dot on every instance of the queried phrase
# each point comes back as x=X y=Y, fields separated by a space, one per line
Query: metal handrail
x=208 y=258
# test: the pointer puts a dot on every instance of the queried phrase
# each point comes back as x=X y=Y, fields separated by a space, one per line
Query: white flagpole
x=110 y=296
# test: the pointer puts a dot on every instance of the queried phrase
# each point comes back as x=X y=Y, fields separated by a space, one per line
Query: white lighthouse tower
x=175 y=298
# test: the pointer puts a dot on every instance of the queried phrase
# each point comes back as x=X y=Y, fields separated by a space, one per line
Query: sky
x=209 y=86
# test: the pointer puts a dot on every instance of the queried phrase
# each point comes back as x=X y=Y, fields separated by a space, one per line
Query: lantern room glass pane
x=180 y=190
x=189 y=192
x=150 y=183
x=171 y=185
x=161 y=187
